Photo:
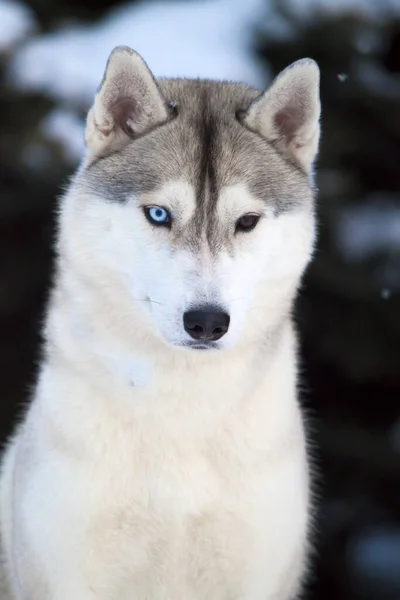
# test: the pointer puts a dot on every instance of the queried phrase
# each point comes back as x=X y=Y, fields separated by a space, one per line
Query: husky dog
x=163 y=455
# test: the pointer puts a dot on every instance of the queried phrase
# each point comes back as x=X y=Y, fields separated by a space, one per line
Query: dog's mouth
x=201 y=345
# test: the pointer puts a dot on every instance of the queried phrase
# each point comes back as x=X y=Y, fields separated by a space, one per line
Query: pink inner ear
x=125 y=111
x=288 y=121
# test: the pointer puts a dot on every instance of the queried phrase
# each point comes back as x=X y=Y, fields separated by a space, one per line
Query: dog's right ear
x=127 y=103
x=287 y=114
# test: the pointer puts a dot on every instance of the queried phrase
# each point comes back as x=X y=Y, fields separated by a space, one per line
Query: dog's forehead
x=204 y=145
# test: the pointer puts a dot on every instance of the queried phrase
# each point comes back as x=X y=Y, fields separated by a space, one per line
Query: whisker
x=148 y=300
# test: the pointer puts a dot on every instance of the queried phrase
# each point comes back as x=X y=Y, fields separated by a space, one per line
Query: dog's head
x=196 y=199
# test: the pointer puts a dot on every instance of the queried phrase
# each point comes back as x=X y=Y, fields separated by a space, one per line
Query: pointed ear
x=287 y=114
x=127 y=103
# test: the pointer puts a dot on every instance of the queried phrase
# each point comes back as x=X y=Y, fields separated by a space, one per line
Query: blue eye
x=158 y=215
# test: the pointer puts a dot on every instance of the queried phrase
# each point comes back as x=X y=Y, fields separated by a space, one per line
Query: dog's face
x=198 y=201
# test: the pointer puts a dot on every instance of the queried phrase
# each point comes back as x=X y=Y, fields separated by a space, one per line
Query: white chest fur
x=171 y=491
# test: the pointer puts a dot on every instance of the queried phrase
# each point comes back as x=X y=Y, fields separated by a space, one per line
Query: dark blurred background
x=51 y=58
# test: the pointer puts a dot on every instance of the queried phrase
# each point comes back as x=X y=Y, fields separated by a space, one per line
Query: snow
x=203 y=38
x=372 y=9
x=65 y=128
x=16 y=22
x=370 y=228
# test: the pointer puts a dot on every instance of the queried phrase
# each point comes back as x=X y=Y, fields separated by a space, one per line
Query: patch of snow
x=372 y=9
x=278 y=27
x=372 y=227
x=67 y=129
x=16 y=22
x=201 y=38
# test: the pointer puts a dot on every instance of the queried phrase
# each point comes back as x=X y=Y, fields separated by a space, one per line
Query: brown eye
x=247 y=222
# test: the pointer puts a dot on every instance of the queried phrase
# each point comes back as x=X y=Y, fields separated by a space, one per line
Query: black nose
x=208 y=323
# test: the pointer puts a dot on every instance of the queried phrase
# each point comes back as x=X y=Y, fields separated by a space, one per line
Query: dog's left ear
x=287 y=114
x=128 y=103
